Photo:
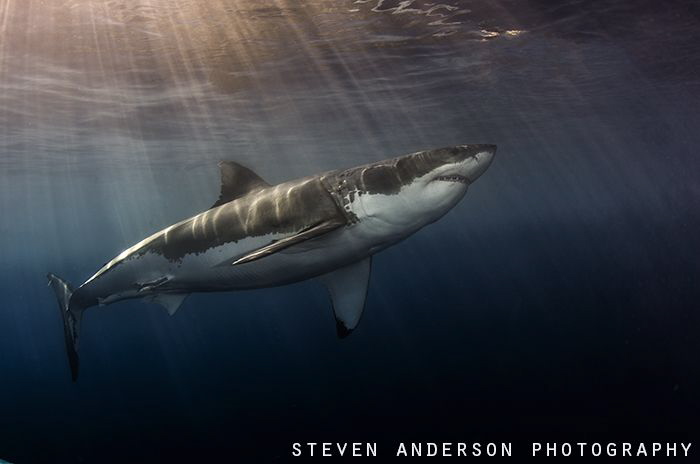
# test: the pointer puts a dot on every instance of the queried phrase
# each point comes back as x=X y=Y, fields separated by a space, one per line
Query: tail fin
x=71 y=314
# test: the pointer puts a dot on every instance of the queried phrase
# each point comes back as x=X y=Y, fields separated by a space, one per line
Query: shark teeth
x=453 y=178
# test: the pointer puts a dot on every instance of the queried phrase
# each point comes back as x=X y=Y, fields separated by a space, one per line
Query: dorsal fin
x=237 y=181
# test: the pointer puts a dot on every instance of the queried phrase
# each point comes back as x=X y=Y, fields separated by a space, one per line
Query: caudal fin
x=71 y=314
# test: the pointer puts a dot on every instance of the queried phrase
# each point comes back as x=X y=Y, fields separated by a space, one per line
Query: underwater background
x=559 y=301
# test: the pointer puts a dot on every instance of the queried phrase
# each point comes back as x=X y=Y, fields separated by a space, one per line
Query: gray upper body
x=258 y=235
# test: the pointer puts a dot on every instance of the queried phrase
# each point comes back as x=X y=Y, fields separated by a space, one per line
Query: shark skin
x=258 y=235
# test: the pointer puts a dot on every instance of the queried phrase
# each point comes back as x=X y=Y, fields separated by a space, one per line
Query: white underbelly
x=213 y=271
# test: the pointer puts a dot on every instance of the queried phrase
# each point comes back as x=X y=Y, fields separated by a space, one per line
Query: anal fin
x=348 y=289
x=170 y=301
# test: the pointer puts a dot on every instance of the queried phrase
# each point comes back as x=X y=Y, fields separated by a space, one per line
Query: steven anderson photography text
x=501 y=449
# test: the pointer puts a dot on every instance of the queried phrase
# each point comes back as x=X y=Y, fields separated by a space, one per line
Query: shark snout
x=481 y=161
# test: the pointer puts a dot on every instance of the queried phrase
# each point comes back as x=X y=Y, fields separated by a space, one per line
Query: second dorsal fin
x=237 y=181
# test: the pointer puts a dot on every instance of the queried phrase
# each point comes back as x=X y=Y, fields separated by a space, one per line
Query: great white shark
x=258 y=235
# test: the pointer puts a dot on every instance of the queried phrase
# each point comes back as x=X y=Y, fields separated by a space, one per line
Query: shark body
x=258 y=235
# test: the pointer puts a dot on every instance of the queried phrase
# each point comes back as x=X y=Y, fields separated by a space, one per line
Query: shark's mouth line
x=453 y=178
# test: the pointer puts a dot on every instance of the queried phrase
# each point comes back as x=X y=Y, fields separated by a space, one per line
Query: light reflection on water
x=82 y=79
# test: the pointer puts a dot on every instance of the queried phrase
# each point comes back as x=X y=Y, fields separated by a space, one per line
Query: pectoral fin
x=348 y=289
x=307 y=234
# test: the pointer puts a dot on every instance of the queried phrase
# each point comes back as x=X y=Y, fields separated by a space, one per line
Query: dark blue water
x=558 y=301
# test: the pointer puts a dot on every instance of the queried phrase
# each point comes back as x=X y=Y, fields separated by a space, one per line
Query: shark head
x=440 y=178
x=411 y=191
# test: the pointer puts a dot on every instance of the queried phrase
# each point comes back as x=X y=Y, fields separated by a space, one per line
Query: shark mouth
x=454 y=178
